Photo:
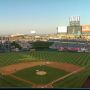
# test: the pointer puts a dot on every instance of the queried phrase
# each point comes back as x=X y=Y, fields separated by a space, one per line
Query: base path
x=11 y=69
x=63 y=77
x=21 y=79
x=50 y=85
x=20 y=66
x=64 y=66
x=17 y=67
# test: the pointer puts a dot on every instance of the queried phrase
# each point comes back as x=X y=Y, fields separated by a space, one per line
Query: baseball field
x=44 y=69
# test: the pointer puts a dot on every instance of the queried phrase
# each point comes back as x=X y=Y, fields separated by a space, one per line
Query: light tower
x=33 y=32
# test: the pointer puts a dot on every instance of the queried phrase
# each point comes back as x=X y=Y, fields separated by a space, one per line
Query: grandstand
x=71 y=45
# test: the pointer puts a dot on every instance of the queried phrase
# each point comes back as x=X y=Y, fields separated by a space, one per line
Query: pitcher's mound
x=41 y=73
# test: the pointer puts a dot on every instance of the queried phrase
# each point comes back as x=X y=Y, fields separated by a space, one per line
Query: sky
x=43 y=16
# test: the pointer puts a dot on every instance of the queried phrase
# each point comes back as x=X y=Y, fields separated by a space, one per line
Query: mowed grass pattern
x=74 y=81
x=14 y=57
x=7 y=81
x=30 y=74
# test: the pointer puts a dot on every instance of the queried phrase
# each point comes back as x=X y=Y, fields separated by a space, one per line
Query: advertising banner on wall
x=86 y=28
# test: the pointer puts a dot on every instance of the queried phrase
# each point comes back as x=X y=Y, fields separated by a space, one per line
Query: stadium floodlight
x=33 y=32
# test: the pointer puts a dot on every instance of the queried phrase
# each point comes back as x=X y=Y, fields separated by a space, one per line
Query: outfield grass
x=30 y=74
x=14 y=57
x=7 y=81
x=74 y=81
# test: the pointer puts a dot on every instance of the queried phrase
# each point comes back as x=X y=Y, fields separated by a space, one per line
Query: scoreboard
x=74 y=21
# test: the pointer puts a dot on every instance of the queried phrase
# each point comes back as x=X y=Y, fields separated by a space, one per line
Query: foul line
x=61 y=78
x=21 y=79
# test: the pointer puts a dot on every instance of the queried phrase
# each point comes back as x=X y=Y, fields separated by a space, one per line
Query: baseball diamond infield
x=14 y=68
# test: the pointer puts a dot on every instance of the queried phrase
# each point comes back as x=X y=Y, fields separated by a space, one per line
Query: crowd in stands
x=71 y=45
